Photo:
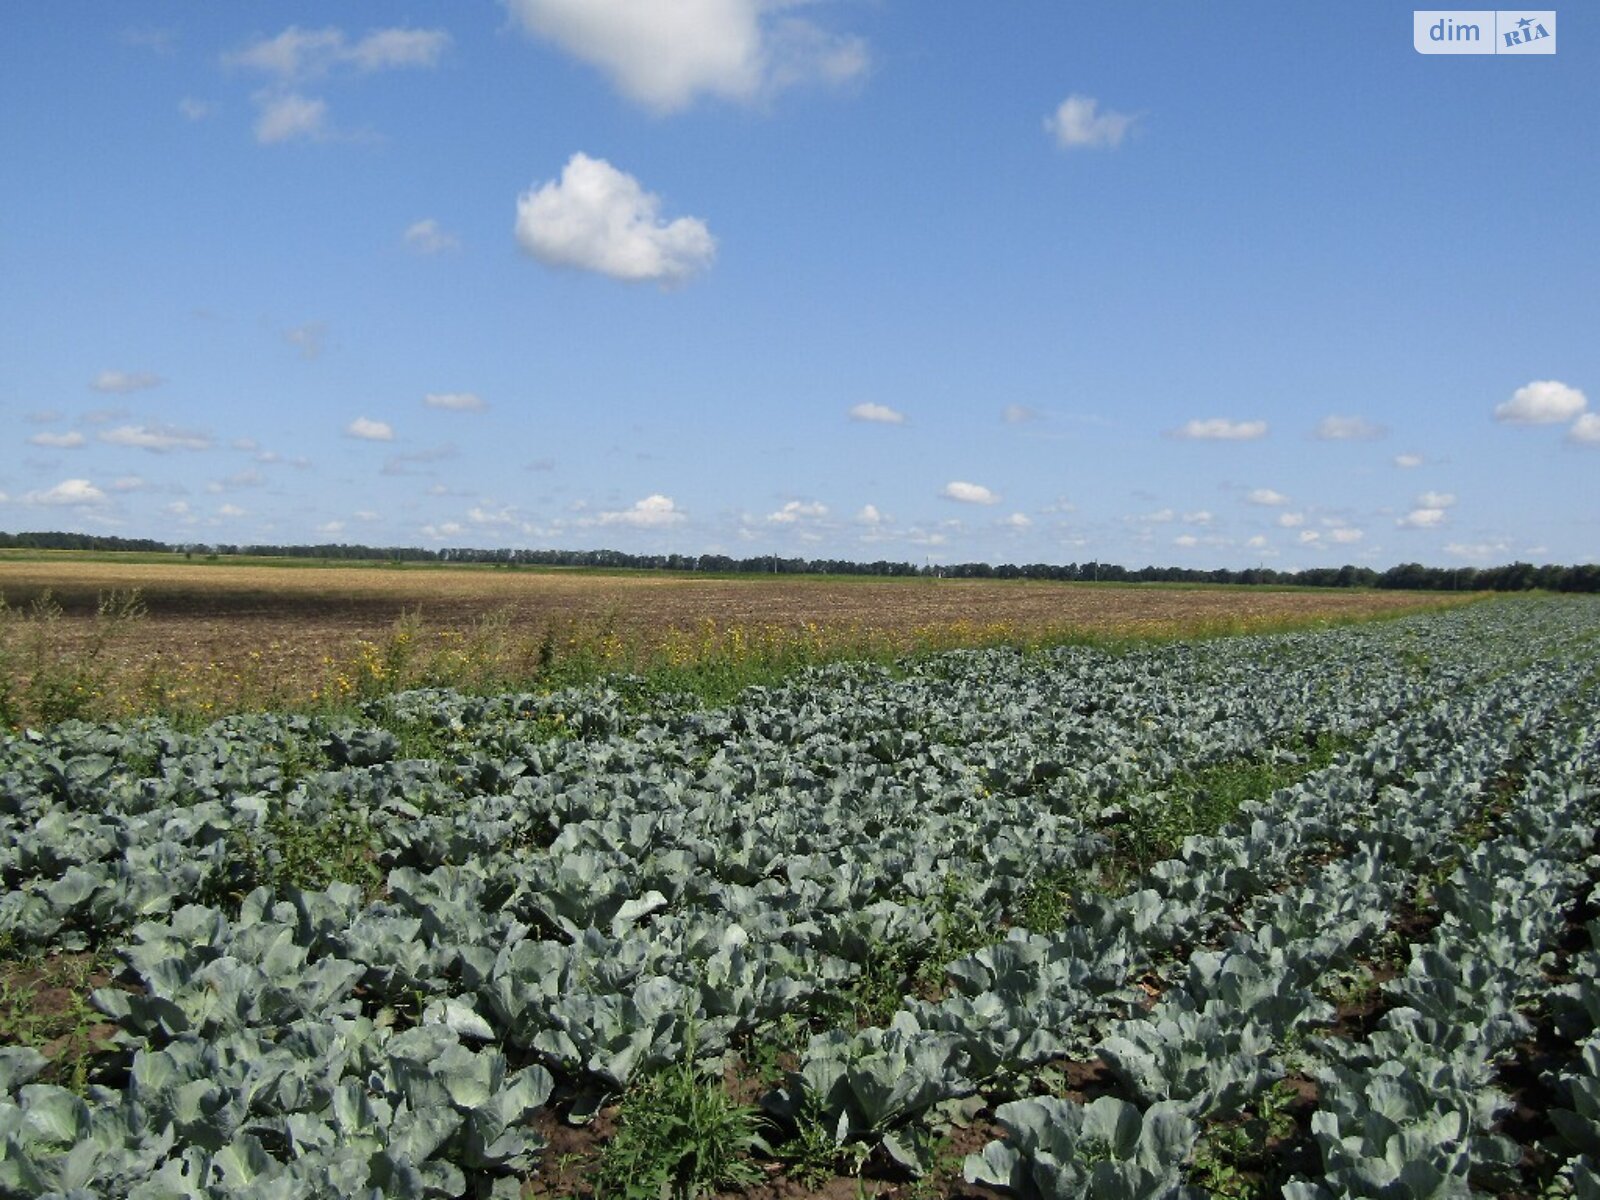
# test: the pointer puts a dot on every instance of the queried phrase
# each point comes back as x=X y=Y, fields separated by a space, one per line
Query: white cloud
x=230 y=510
x=1348 y=429
x=1310 y=537
x=1018 y=414
x=369 y=430
x=331 y=527
x=1542 y=402
x=157 y=439
x=1477 y=550
x=869 y=515
x=247 y=478
x=1256 y=543
x=60 y=441
x=307 y=338
x=1221 y=429
x=1186 y=540
x=1017 y=521
x=969 y=493
x=427 y=236
x=1407 y=461
x=653 y=512
x=1585 y=430
x=795 y=510
x=880 y=413
x=1346 y=536
x=307 y=53
x=124 y=381
x=1078 y=123
x=69 y=493
x=1267 y=497
x=455 y=401
x=664 y=55
x=1201 y=517
x=1436 y=500
x=289 y=115
x=597 y=218
x=292 y=54
x=366 y=514
x=129 y=483
x=1291 y=520
x=1159 y=517
x=502 y=518
x=1422 y=518
x=196 y=110
x=388 y=49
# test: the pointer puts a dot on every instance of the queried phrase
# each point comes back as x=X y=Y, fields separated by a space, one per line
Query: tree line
x=1512 y=577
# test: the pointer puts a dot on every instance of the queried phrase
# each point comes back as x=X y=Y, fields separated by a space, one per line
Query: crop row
x=358 y=958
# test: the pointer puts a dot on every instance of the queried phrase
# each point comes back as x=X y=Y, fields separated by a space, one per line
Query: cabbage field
x=1310 y=914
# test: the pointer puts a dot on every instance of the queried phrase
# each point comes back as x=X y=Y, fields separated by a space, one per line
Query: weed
x=303 y=851
x=679 y=1136
x=44 y=1004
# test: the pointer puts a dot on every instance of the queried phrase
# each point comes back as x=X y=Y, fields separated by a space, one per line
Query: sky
x=1217 y=285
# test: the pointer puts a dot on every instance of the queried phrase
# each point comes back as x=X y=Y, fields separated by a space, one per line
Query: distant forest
x=1513 y=577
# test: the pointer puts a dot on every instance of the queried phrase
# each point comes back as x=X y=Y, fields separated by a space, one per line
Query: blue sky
x=1200 y=285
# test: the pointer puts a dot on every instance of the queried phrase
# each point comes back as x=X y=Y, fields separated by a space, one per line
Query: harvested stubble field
x=206 y=637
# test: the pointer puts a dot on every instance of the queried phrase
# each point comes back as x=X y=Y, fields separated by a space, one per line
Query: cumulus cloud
x=1078 y=123
x=128 y=483
x=124 y=381
x=427 y=236
x=69 y=493
x=455 y=401
x=1407 y=461
x=59 y=441
x=1017 y=521
x=653 y=512
x=1585 y=430
x=869 y=515
x=880 y=413
x=1291 y=520
x=331 y=527
x=1542 y=402
x=1018 y=414
x=969 y=493
x=230 y=510
x=158 y=439
x=665 y=55
x=1422 y=518
x=369 y=430
x=1436 y=500
x=1222 y=429
x=1200 y=517
x=1346 y=536
x=796 y=510
x=288 y=116
x=1267 y=497
x=1186 y=540
x=597 y=218
x=1348 y=429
